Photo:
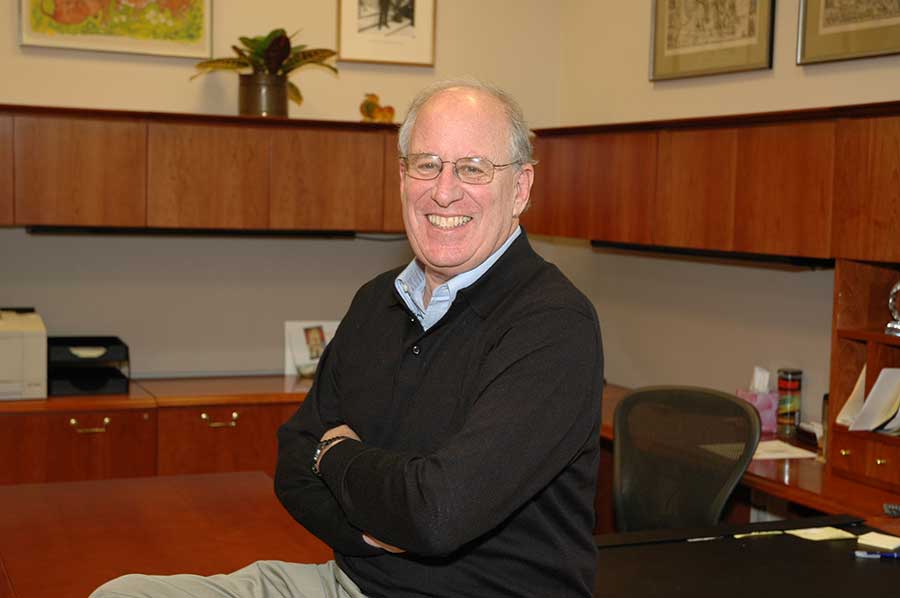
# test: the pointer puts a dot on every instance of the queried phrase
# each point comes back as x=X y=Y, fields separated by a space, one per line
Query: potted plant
x=271 y=58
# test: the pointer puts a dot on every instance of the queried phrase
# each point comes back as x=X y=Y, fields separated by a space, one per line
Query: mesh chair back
x=679 y=451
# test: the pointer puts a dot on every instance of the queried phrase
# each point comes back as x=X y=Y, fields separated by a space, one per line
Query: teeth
x=448 y=222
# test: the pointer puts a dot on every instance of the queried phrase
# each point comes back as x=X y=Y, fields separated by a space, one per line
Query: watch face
x=893 y=301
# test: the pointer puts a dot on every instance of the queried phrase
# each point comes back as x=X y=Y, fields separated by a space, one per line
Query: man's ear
x=524 y=181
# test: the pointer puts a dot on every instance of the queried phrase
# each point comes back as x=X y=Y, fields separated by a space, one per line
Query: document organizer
x=86 y=365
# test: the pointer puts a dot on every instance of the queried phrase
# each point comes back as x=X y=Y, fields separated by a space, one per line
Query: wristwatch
x=321 y=447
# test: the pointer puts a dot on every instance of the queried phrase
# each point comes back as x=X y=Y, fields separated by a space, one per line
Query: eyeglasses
x=471 y=169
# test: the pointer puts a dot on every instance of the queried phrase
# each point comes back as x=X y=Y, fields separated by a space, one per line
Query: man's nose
x=447 y=187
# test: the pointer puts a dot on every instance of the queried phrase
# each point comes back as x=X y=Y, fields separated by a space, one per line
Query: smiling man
x=449 y=444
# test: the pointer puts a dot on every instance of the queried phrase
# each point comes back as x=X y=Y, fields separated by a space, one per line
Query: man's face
x=454 y=226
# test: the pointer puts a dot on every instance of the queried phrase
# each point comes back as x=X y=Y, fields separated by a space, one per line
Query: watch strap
x=321 y=447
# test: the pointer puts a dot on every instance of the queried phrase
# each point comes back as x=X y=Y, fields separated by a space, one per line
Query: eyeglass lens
x=474 y=170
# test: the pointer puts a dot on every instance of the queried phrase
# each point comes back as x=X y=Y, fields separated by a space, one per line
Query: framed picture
x=386 y=31
x=842 y=29
x=692 y=38
x=160 y=27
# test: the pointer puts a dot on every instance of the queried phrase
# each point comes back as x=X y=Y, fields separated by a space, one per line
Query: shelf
x=869 y=336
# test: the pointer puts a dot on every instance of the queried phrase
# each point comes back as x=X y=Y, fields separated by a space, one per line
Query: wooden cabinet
x=695 y=183
x=6 y=169
x=79 y=171
x=393 y=207
x=208 y=176
x=783 y=195
x=867 y=189
x=327 y=179
x=860 y=314
x=54 y=446
x=216 y=438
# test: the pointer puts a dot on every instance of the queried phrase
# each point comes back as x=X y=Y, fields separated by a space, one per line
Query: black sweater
x=480 y=439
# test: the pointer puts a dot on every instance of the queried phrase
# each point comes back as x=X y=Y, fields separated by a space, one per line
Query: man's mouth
x=448 y=222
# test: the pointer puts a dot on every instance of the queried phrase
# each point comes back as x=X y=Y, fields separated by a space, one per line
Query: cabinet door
x=326 y=179
x=220 y=438
x=208 y=176
x=79 y=171
x=694 y=205
x=623 y=186
x=866 y=193
x=784 y=189
x=393 y=207
x=560 y=201
x=6 y=170
x=90 y=445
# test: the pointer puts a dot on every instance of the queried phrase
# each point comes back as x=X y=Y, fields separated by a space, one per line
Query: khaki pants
x=262 y=579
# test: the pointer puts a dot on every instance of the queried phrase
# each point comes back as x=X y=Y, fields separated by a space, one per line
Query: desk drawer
x=219 y=438
x=857 y=455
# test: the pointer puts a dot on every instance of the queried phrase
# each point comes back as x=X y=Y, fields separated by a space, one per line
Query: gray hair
x=519 y=135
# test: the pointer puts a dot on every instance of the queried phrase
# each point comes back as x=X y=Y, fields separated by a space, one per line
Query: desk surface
x=65 y=539
x=770 y=565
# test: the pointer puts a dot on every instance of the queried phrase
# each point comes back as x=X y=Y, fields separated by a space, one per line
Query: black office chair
x=679 y=451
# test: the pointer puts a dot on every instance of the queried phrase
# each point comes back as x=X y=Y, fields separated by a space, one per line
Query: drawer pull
x=74 y=423
x=228 y=424
x=880 y=461
x=844 y=452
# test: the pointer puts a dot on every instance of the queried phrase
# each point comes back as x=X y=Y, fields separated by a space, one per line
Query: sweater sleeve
x=303 y=494
x=537 y=409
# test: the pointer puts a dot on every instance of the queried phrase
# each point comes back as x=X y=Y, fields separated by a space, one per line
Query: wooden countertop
x=226 y=390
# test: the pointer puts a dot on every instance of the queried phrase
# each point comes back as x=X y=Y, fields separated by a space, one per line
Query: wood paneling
x=560 y=202
x=327 y=179
x=393 y=208
x=48 y=447
x=80 y=171
x=784 y=189
x=188 y=443
x=696 y=172
x=6 y=169
x=208 y=176
x=867 y=189
x=623 y=186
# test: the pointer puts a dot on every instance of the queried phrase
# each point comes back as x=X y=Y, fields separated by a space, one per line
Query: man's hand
x=379 y=544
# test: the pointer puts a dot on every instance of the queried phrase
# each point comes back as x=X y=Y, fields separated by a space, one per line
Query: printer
x=23 y=354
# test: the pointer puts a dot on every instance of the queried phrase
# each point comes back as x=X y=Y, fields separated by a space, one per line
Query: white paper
x=854 y=402
x=880 y=541
x=304 y=342
x=760 y=381
x=882 y=402
x=820 y=533
x=778 y=449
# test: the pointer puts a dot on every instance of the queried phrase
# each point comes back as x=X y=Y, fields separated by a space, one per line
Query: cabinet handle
x=74 y=423
x=228 y=424
x=844 y=452
x=880 y=461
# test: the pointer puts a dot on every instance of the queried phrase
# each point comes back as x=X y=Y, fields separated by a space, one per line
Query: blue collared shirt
x=411 y=286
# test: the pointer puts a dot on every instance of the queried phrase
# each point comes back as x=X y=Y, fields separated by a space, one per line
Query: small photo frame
x=387 y=31
x=180 y=28
x=850 y=29
x=707 y=38
x=304 y=344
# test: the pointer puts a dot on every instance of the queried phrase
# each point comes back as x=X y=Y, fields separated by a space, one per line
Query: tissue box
x=766 y=404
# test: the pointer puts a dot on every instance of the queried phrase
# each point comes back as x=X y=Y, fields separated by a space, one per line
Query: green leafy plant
x=272 y=54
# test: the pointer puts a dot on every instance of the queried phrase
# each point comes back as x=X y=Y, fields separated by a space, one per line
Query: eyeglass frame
x=494 y=167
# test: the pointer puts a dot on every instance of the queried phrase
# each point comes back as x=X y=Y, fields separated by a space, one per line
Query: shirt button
x=412 y=320
x=416 y=350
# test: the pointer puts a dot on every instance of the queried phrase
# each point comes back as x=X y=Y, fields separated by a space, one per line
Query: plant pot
x=261 y=94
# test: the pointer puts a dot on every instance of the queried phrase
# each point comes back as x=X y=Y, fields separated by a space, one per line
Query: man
x=449 y=444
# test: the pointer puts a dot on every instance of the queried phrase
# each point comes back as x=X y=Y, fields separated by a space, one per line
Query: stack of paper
x=879 y=541
x=880 y=408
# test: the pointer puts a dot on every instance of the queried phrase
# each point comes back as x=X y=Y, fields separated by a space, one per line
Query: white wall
x=216 y=304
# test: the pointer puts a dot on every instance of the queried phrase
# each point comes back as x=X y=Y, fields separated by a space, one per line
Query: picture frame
x=830 y=31
x=387 y=31
x=181 y=28
x=689 y=40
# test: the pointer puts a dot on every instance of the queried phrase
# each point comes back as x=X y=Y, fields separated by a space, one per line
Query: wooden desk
x=764 y=565
x=65 y=539
x=801 y=481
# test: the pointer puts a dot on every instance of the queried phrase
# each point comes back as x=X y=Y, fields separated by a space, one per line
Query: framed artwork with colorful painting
x=159 y=27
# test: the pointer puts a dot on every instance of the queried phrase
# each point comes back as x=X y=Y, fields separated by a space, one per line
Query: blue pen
x=865 y=554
